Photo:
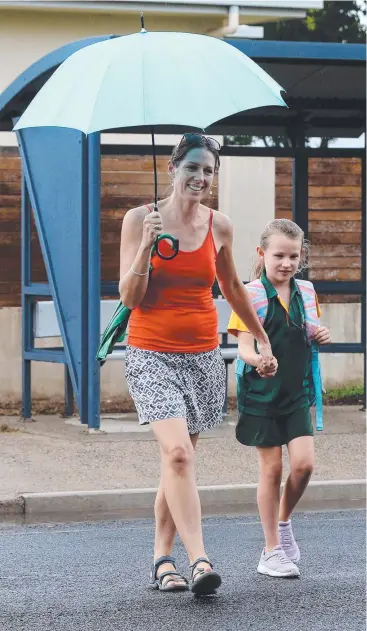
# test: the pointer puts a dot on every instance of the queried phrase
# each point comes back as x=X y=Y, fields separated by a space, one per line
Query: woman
x=174 y=368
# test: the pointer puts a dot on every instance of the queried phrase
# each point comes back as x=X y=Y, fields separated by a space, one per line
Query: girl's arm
x=138 y=233
x=246 y=351
x=233 y=289
x=322 y=336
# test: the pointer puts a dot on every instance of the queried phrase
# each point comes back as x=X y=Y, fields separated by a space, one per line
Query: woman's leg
x=165 y=529
x=302 y=459
x=268 y=492
x=179 y=483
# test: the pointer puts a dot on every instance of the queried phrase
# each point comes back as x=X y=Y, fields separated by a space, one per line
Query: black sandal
x=203 y=582
x=158 y=582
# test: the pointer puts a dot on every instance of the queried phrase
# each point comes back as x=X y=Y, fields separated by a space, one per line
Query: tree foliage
x=338 y=21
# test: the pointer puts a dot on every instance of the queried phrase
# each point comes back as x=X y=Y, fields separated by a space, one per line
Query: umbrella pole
x=155 y=173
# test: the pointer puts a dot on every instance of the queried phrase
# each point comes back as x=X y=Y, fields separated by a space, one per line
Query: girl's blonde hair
x=288 y=229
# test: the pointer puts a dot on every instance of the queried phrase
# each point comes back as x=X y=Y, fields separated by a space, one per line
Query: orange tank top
x=177 y=313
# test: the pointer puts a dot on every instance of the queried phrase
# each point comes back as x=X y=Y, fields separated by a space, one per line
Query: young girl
x=273 y=400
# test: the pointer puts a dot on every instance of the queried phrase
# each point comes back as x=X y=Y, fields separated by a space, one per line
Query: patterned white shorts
x=177 y=385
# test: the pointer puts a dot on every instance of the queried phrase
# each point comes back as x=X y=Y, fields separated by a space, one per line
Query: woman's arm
x=138 y=234
x=231 y=286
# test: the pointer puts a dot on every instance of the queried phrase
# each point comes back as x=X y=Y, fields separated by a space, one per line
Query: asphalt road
x=93 y=576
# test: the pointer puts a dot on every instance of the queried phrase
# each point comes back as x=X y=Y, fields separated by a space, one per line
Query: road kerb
x=216 y=500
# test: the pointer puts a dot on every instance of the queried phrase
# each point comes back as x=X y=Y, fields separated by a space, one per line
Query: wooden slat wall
x=9 y=227
x=334 y=198
x=127 y=181
x=10 y=241
x=334 y=202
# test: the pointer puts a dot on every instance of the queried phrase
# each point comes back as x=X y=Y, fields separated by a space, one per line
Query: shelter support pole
x=27 y=323
x=364 y=272
x=300 y=187
x=84 y=332
x=94 y=277
x=91 y=282
x=68 y=393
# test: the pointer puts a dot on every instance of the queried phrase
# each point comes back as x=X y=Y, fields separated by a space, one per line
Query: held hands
x=268 y=368
x=322 y=336
x=152 y=228
x=267 y=364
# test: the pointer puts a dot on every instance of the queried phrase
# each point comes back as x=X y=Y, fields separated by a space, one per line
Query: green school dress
x=274 y=411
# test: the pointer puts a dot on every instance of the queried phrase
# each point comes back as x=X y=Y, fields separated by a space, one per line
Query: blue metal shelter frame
x=61 y=179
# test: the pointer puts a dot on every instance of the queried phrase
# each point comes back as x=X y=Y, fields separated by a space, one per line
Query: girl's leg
x=301 y=458
x=268 y=492
x=273 y=560
x=165 y=529
x=179 y=484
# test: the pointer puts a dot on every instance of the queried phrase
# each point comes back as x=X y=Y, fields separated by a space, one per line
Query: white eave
x=253 y=10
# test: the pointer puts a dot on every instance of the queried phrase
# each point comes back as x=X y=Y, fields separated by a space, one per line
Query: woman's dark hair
x=188 y=141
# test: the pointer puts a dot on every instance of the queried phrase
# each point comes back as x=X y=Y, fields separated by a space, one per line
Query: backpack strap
x=259 y=298
x=317 y=386
x=312 y=323
x=260 y=301
x=308 y=294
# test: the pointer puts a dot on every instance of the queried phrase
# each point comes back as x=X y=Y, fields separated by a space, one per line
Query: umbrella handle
x=174 y=246
x=167 y=237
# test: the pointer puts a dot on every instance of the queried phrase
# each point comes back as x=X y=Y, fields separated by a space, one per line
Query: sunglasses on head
x=200 y=140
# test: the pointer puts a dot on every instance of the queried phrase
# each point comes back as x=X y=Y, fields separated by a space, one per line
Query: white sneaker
x=288 y=542
x=276 y=563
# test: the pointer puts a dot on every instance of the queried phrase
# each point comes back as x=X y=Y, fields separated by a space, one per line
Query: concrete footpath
x=53 y=469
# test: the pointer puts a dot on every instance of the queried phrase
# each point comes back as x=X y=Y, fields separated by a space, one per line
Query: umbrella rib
x=152 y=127
x=98 y=92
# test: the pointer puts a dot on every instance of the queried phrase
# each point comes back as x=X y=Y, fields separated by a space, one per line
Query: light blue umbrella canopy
x=151 y=78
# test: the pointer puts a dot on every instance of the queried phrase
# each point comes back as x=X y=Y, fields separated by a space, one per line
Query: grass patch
x=351 y=394
x=53 y=408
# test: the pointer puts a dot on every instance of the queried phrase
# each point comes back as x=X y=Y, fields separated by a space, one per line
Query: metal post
x=27 y=315
x=68 y=393
x=94 y=278
x=300 y=188
x=83 y=385
x=363 y=276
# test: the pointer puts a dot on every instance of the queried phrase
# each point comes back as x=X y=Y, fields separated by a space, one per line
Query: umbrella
x=151 y=79
x=115 y=332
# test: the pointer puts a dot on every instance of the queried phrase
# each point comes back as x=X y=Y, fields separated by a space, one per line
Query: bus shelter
x=61 y=170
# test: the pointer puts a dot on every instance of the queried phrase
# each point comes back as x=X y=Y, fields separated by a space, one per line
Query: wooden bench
x=45 y=324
